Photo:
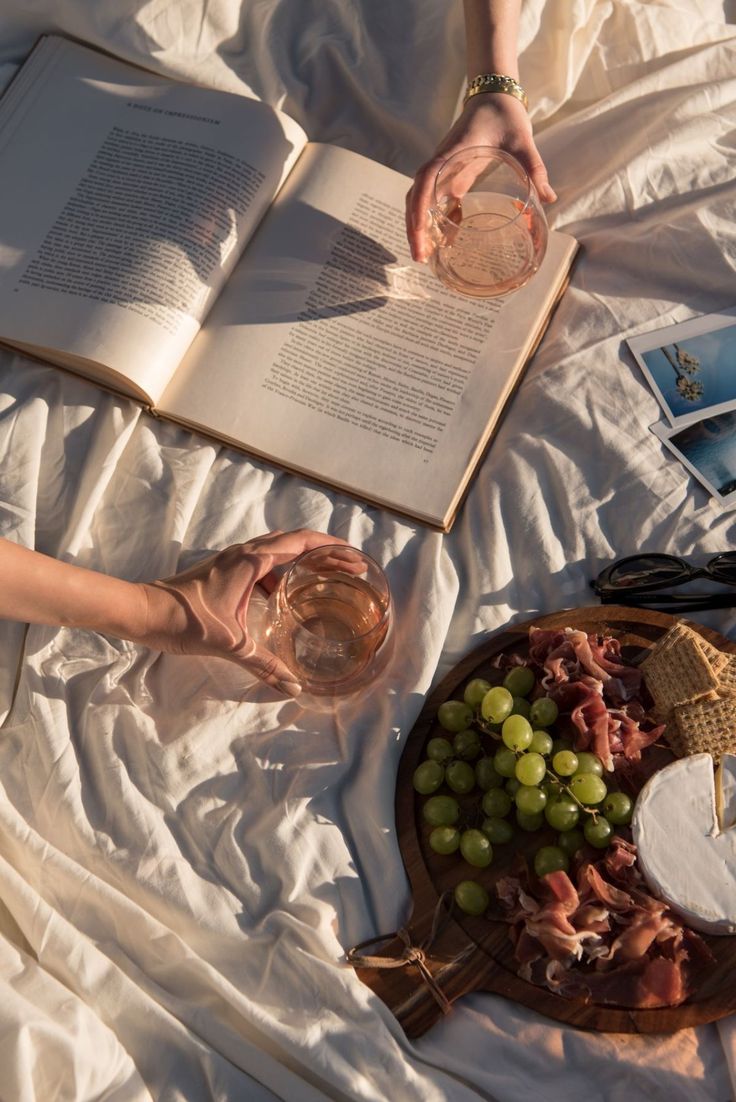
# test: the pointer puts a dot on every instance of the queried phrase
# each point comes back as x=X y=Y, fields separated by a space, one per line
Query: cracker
x=682 y=630
x=704 y=726
x=671 y=636
x=677 y=670
x=717 y=658
x=727 y=676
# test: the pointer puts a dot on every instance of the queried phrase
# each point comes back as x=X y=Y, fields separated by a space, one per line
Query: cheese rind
x=726 y=791
x=686 y=857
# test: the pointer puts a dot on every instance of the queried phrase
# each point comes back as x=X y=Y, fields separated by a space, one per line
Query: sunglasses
x=640 y=579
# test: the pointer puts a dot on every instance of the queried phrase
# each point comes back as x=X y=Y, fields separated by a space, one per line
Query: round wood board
x=475 y=954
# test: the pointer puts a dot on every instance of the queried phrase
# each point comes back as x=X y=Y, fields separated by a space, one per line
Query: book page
x=125 y=200
x=335 y=355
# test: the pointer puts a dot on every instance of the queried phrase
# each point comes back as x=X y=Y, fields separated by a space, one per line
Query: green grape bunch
x=497 y=767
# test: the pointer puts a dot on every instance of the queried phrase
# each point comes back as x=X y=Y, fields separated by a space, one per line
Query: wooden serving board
x=475 y=954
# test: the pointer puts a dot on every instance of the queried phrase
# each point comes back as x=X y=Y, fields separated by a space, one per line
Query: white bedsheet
x=180 y=870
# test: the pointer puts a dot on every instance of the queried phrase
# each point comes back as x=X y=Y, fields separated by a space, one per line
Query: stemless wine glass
x=487 y=223
x=330 y=619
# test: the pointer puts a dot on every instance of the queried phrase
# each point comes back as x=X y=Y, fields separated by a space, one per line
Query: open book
x=191 y=249
x=690 y=368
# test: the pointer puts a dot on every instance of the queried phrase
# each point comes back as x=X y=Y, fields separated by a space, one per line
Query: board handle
x=419 y=985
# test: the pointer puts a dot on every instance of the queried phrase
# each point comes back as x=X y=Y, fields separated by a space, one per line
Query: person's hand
x=203 y=610
x=491 y=119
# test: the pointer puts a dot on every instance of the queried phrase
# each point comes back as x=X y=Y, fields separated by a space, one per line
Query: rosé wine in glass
x=488 y=227
x=330 y=620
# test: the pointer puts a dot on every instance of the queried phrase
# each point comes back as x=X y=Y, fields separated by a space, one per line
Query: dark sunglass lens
x=646 y=570
x=723 y=567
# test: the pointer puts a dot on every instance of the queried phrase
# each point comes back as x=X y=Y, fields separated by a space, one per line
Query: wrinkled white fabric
x=180 y=870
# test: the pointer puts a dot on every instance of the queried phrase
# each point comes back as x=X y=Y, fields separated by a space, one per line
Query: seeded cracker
x=677 y=670
x=704 y=726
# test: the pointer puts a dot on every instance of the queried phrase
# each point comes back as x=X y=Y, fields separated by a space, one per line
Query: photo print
x=691 y=367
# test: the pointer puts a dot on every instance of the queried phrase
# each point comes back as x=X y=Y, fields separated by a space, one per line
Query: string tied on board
x=411 y=954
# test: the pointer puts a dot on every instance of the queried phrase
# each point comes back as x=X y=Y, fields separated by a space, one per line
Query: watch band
x=496 y=82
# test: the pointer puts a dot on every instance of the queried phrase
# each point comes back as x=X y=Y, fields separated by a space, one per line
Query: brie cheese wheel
x=686 y=850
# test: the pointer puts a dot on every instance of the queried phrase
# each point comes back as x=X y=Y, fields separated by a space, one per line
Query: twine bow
x=412 y=954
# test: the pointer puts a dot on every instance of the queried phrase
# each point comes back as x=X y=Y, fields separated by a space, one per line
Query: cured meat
x=568 y=653
x=588 y=679
x=601 y=936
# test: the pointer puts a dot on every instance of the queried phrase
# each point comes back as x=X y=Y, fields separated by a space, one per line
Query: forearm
x=200 y=611
x=37 y=589
x=491 y=32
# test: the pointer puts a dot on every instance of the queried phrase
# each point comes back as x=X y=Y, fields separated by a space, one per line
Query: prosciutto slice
x=601 y=936
x=589 y=680
x=567 y=653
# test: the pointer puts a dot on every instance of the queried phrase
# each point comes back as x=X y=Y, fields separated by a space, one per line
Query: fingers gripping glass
x=643 y=580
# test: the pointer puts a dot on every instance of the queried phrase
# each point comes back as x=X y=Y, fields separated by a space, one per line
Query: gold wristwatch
x=496 y=82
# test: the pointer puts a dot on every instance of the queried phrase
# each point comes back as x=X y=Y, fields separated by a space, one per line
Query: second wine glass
x=488 y=227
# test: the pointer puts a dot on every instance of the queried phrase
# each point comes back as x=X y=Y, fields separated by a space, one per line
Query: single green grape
x=530 y=768
x=571 y=841
x=454 y=715
x=530 y=799
x=439 y=749
x=598 y=832
x=618 y=808
x=562 y=813
x=466 y=744
x=496 y=705
x=428 y=776
x=516 y=733
x=444 y=839
x=475 y=690
x=588 y=788
x=512 y=786
x=543 y=711
x=565 y=763
x=530 y=822
x=486 y=775
x=441 y=811
x=498 y=831
x=519 y=681
x=460 y=777
x=471 y=897
x=504 y=761
x=521 y=707
x=476 y=848
x=550 y=859
x=496 y=803
x=541 y=743
x=589 y=763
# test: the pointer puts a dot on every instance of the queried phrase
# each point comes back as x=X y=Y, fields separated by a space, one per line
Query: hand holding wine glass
x=204 y=610
x=499 y=121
